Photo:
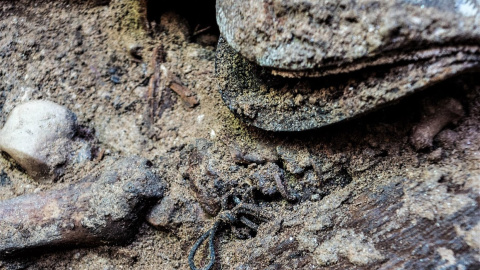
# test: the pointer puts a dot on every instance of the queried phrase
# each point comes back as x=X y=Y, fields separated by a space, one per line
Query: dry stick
x=197 y=32
x=185 y=94
x=162 y=78
x=151 y=97
x=158 y=57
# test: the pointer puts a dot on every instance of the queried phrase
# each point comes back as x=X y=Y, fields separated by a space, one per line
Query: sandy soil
x=354 y=196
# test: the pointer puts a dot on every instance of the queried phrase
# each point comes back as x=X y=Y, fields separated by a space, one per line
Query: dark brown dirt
x=363 y=198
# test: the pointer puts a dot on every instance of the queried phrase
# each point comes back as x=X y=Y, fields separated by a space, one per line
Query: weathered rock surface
x=276 y=103
x=105 y=207
x=346 y=35
x=38 y=136
x=286 y=65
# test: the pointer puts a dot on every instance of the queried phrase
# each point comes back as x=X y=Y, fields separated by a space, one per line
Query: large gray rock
x=38 y=136
x=276 y=103
x=339 y=35
x=287 y=65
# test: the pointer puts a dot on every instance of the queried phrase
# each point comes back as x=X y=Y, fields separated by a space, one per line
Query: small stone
x=115 y=79
x=4 y=179
x=37 y=134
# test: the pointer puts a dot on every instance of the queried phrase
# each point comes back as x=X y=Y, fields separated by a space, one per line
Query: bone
x=105 y=207
x=445 y=112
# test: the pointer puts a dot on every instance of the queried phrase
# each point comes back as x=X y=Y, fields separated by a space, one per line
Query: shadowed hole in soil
x=200 y=16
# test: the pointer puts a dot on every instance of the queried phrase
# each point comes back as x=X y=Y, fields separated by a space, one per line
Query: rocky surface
x=105 y=207
x=361 y=55
x=275 y=103
x=341 y=36
x=38 y=135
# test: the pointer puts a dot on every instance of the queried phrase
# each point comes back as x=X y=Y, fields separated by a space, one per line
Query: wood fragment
x=161 y=79
x=199 y=31
x=185 y=93
x=153 y=94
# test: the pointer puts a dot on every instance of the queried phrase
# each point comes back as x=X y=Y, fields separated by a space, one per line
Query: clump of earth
x=369 y=193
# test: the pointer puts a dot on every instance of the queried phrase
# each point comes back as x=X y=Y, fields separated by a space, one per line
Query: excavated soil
x=356 y=195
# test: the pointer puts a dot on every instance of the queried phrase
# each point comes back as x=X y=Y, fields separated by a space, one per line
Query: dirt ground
x=356 y=195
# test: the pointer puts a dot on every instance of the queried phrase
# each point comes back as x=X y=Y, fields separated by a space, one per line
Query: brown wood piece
x=185 y=94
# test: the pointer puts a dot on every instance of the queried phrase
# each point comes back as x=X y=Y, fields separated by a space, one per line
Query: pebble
x=38 y=136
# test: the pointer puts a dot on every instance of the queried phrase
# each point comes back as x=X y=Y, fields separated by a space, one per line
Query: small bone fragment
x=445 y=112
x=38 y=136
x=105 y=207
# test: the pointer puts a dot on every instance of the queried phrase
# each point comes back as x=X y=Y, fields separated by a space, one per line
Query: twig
x=158 y=57
x=185 y=94
x=197 y=32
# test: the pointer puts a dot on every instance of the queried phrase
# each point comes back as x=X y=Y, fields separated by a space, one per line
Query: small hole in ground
x=199 y=15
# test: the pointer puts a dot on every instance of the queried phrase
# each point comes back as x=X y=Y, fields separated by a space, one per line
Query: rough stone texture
x=340 y=36
x=105 y=207
x=38 y=135
x=275 y=103
x=362 y=54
